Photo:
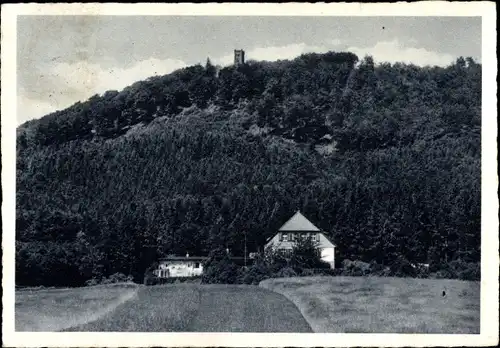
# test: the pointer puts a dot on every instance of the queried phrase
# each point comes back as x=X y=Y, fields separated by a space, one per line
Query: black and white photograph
x=308 y=177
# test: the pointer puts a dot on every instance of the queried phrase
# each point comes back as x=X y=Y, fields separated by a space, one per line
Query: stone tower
x=239 y=57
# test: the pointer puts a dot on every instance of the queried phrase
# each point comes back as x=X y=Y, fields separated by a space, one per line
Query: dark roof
x=184 y=258
x=197 y=258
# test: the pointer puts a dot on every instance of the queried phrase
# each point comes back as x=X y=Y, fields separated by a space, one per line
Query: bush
x=92 y=282
x=385 y=272
x=401 y=267
x=305 y=254
x=112 y=279
x=117 y=278
x=376 y=267
x=149 y=277
x=220 y=272
x=355 y=268
x=271 y=261
x=422 y=272
x=456 y=269
x=471 y=271
x=220 y=269
x=459 y=269
x=335 y=272
x=255 y=273
x=172 y=280
x=442 y=274
x=286 y=272
x=307 y=272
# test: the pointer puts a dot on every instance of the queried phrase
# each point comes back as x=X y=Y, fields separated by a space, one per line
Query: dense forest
x=385 y=158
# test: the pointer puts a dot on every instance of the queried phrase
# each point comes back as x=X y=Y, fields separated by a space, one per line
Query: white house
x=296 y=226
x=177 y=266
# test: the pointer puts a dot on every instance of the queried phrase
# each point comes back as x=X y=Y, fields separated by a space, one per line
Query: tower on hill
x=239 y=57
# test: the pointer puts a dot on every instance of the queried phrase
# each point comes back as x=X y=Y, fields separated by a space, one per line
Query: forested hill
x=385 y=158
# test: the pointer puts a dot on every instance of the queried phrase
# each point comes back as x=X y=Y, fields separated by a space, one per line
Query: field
x=174 y=307
x=319 y=304
x=58 y=309
x=383 y=305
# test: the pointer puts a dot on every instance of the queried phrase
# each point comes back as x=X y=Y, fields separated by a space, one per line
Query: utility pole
x=245 y=249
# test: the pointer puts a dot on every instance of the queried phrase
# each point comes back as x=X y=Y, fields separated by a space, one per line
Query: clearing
x=383 y=305
x=173 y=307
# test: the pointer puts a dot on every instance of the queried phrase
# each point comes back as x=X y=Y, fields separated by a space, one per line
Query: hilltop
x=385 y=158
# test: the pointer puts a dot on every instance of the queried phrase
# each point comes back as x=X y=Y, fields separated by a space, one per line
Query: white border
x=489 y=198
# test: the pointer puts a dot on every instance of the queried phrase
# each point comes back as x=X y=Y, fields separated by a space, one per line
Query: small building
x=239 y=57
x=178 y=266
x=300 y=227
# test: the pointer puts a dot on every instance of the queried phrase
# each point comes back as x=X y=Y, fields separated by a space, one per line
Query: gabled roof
x=298 y=222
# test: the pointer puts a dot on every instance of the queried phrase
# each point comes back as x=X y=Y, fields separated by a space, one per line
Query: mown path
x=202 y=308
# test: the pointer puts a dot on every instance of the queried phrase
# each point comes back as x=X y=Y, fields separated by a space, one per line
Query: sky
x=65 y=59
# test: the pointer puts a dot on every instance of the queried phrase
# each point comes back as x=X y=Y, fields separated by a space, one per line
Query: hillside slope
x=385 y=158
x=383 y=304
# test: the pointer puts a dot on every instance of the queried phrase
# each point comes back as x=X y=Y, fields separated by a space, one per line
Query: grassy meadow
x=306 y=304
x=164 y=308
x=57 y=309
x=383 y=305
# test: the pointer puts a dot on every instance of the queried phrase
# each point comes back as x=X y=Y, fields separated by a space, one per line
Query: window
x=285 y=237
x=197 y=265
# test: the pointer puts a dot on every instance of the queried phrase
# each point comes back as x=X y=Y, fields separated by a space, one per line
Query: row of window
x=289 y=252
x=286 y=252
x=290 y=237
x=165 y=273
x=193 y=264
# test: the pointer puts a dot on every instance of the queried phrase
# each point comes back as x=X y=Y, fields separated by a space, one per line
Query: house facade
x=298 y=226
x=175 y=266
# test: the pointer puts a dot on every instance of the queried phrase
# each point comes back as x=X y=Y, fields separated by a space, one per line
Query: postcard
x=249 y=175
